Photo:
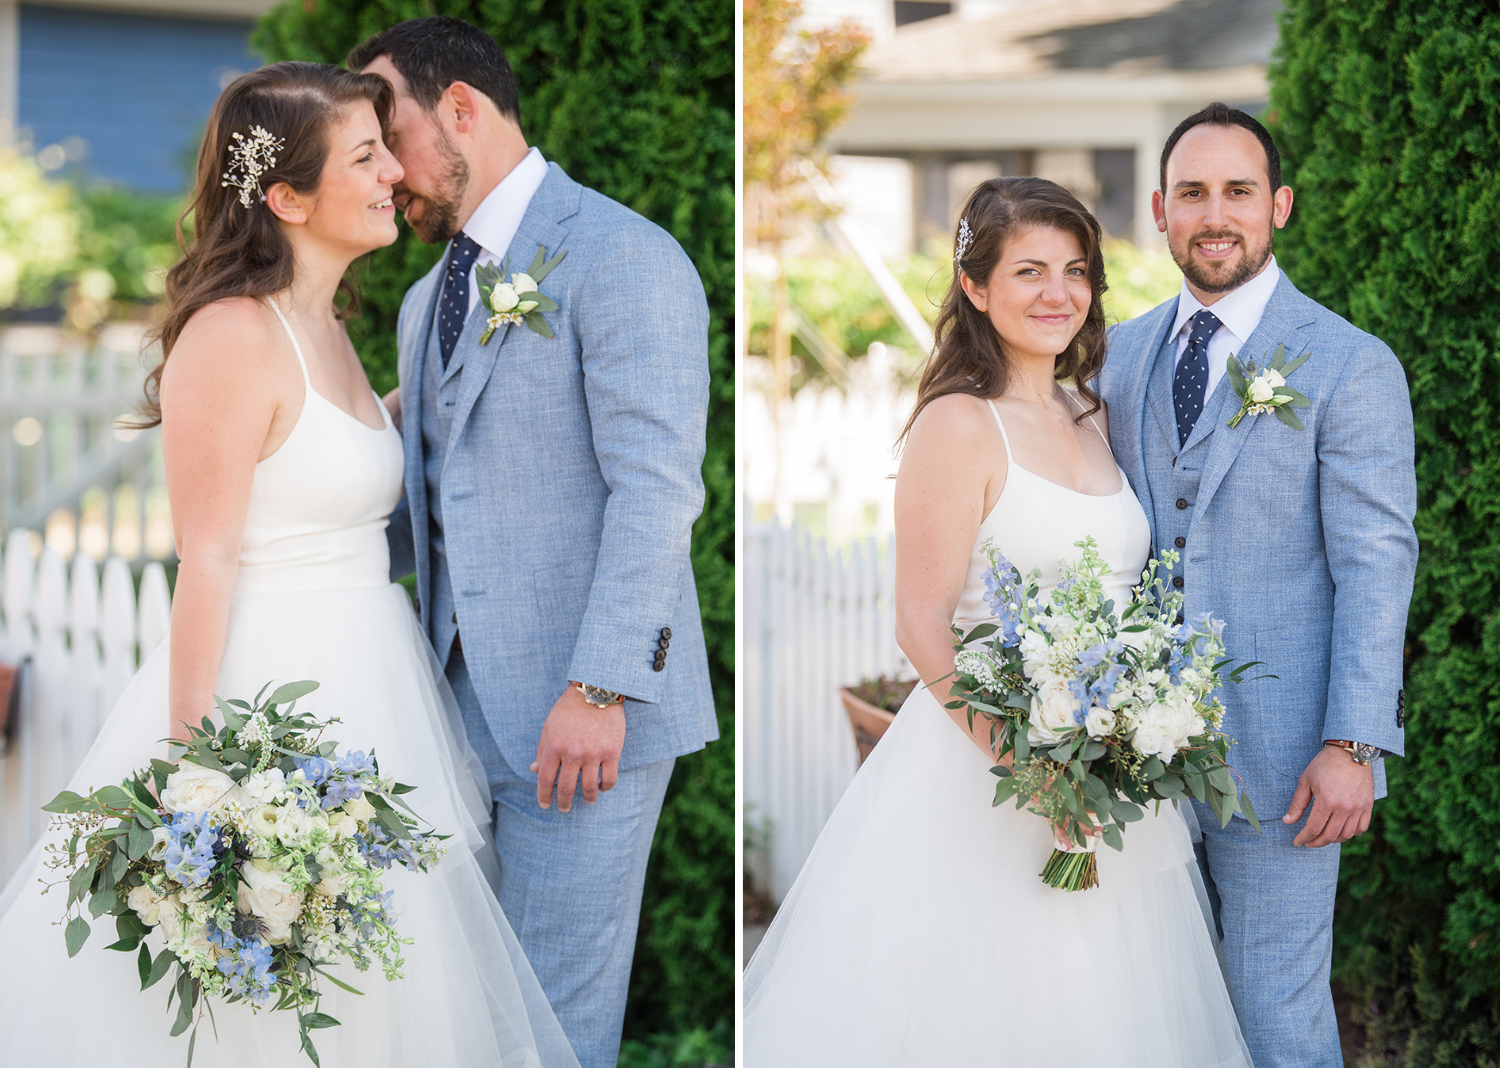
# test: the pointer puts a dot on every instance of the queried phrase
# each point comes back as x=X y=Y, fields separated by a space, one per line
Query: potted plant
x=872 y=705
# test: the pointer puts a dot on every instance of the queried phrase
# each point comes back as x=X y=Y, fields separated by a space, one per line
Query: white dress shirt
x=1239 y=311
x=495 y=222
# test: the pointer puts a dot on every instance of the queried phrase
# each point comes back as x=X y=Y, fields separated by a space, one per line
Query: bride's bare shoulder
x=954 y=420
x=229 y=345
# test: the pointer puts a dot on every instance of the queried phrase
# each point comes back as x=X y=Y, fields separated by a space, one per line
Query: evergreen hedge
x=634 y=99
x=1389 y=114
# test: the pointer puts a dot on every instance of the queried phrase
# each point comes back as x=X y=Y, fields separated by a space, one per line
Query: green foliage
x=635 y=100
x=39 y=230
x=1389 y=114
x=836 y=297
x=697 y=1048
x=130 y=236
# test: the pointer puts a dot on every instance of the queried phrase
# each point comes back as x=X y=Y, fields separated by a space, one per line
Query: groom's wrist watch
x=1359 y=752
x=598 y=696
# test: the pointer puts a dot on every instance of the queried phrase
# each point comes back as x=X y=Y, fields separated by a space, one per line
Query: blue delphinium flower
x=1002 y=592
x=248 y=964
x=356 y=763
x=1104 y=687
x=315 y=768
x=340 y=790
x=190 y=852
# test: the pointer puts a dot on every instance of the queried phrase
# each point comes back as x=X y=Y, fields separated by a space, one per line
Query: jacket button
x=663 y=644
x=1177 y=581
x=666 y=633
x=1181 y=502
x=661 y=654
x=1179 y=542
x=658 y=665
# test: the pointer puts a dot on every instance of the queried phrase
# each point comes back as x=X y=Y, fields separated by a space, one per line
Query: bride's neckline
x=1012 y=464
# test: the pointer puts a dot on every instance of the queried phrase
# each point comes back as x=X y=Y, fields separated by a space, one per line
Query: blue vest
x=440 y=390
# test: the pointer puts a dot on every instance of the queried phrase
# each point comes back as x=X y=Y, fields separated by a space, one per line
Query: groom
x=1300 y=539
x=552 y=484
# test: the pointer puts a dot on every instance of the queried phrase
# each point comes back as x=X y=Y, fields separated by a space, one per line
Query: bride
x=282 y=466
x=918 y=932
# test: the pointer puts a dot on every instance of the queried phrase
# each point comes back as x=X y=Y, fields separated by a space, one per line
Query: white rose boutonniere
x=1265 y=389
x=519 y=300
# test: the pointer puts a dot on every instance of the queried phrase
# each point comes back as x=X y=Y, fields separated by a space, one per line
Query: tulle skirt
x=467 y=996
x=919 y=933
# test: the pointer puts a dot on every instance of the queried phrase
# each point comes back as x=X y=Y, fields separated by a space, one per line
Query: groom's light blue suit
x=551 y=489
x=1302 y=541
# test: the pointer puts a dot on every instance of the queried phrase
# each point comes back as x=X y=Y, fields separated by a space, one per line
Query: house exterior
x=118 y=90
x=1084 y=92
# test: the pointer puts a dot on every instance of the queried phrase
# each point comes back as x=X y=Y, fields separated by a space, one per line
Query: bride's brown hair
x=243 y=252
x=968 y=355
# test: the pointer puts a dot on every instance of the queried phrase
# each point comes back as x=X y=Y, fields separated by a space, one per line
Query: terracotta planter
x=867 y=721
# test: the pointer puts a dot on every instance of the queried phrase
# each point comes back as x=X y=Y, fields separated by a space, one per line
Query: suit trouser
x=570 y=882
x=1274 y=905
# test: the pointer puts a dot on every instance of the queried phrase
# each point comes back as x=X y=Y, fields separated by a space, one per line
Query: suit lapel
x=1283 y=323
x=418 y=330
x=1159 y=401
x=555 y=200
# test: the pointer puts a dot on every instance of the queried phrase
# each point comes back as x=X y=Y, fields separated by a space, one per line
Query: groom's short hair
x=1217 y=114
x=434 y=52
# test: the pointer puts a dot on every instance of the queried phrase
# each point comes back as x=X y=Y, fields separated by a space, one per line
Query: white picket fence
x=814 y=618
x=84 y=640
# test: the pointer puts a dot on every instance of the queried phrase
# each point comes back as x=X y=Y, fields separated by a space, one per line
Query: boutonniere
x=1265 y=390
x=518 y=300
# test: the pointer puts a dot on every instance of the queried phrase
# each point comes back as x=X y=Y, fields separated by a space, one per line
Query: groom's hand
x=578 y=740
x=1342 y=795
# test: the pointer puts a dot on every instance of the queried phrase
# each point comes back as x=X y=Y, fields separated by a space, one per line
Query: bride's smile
x=1038 y=294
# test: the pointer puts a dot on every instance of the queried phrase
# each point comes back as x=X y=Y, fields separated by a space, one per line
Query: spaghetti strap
x=295 y=347
x=1069 y=393
x=1003 y=436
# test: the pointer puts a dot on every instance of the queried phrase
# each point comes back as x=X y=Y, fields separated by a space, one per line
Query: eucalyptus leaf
x=113 y=797
x=1092 y=749
x=102 y=901
x=1249 y=810
x=1125 y=811
x=1112 y=837
x=1278 y=358
x=1293 y=364
x=984 y=630
x=318 y=1019
x=1289 y=417
x=291 y=691
x=537 y=323
x=232 y=718
x=138 y=843
x=143 y=965
x=66 y=802
x=76 y=934
x=164 y=960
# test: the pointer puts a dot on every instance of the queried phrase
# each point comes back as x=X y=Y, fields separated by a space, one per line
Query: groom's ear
x=460 y=104
x=285 y=204
x=1281 y=206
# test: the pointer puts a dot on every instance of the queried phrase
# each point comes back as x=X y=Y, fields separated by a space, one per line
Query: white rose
x=345 y=826
x=503 y=297
x=159 y=838
x=283 y=822
x=266 y=893
x=146 y=902
x=195 y=789
x=1273 y=377
x=1260 y=391
x=332 y=884
x=1155 y=732
x=360 y=808
x=1052 y=710
x=523 y=282
x=1099 y=722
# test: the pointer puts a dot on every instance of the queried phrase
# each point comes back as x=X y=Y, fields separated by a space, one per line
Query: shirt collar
x=1240 y=310
x=495 y=222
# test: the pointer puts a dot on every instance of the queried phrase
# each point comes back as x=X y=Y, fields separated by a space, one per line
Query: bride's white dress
x=919 y=933
x=313 y=600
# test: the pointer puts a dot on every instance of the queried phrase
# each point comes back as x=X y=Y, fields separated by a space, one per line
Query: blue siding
x=136 y=88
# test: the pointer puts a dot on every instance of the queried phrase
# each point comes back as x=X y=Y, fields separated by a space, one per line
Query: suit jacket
x=571 y=481
x=1302 y=541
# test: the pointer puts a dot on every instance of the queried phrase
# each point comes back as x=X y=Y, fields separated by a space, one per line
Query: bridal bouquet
x=258 y=856
x=1103 y=712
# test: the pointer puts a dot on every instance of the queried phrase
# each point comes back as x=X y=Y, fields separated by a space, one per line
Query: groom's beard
x=1222 y=277
x=438 y=221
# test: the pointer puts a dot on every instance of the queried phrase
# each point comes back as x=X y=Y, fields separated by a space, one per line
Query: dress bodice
x=1037 y=523
x=319 y=504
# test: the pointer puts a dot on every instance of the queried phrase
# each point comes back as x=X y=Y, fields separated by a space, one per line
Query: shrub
x=634 y=99
x=1389 y=114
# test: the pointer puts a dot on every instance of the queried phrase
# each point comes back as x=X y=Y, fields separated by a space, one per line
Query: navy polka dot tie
x=1191 y=381
x=453 y=309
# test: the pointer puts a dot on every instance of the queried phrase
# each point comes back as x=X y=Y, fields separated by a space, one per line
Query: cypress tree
x=1388 y=112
